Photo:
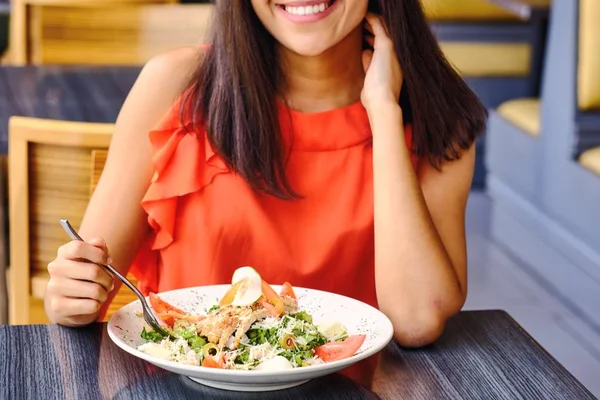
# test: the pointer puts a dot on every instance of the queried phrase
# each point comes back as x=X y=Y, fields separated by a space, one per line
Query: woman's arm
x=420 y=246
x=114 y=212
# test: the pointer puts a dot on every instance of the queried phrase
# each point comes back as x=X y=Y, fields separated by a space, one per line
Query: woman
x=321 y=149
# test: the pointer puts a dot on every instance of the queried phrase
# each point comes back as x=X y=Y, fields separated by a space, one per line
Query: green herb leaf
x=151 y=336
x=213 y=308
x=303 y=316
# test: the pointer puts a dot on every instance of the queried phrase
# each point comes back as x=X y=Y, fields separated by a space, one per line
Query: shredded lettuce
x=299 y=335
x=151 y=335
x=189 y=333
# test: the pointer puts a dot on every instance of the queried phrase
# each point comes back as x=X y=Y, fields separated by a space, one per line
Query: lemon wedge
x=332 y=330
x=249 y=286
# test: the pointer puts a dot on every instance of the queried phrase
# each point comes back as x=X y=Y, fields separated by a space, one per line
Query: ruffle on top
x=184 y=163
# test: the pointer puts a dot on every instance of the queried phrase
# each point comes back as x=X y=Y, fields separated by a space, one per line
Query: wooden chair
x=53 y=168
x=93 y=32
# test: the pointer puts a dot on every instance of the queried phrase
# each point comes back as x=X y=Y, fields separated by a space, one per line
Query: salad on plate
x=251 y=328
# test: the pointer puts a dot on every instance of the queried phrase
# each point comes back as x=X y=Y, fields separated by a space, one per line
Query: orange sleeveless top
x=206 y=222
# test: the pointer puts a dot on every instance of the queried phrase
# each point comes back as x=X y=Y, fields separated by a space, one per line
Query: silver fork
x=148 y=314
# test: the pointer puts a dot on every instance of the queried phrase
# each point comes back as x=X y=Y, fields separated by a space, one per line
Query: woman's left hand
x=383 y=79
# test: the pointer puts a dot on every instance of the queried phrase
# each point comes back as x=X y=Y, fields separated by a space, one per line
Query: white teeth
x=307 y=10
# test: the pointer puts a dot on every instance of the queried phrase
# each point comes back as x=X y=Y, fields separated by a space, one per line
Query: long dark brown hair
x=233 y=93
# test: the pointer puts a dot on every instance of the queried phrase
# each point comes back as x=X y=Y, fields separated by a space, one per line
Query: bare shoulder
x=170 y=72
x=160 y=83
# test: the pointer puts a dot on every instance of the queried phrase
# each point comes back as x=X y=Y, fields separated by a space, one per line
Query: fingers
x=66 y=307
x=80 y=290
x=82 y=272
x=374 y=25
x=99 y=243
x=78 y=285
x=76 y=249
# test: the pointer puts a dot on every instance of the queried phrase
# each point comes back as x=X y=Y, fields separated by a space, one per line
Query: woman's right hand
x=78 y=285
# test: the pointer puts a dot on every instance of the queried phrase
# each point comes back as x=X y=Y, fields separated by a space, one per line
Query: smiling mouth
x=310 y=9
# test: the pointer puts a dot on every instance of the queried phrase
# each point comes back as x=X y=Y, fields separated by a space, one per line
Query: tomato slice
x=268 y=306
x=169 y=317
x=165 y=311
x=230 y=295
x=212 y=362
x=287 y=290
x=272 y=297
x=161 y=306
x=334 y=351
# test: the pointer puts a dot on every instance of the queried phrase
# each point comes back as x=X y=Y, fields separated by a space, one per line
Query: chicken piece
x=246 y=323
x=290 y=305
x=259 y=315
x=220 y=325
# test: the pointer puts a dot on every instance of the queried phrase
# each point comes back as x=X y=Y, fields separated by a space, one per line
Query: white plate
x=125 y=326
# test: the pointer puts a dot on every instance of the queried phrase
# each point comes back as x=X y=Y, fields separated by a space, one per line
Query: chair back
x=105 y=32
x=49 y=179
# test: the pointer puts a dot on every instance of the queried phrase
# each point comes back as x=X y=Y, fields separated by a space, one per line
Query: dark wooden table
x=88 y=94
x=482 y=355
x=526 y=9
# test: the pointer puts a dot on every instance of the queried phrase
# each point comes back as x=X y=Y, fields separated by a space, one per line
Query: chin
x=308 y=48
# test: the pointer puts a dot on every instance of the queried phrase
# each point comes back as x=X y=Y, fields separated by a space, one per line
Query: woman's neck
x=330 y=80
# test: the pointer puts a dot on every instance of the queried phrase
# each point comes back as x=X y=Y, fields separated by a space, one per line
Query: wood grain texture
x=482 y=355
x=20 y=24
x=49 y=179
x=124 y=34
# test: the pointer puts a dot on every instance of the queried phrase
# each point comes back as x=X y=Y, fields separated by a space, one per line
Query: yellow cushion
x=589 y=55
x=591 y=160
x=465 y=10
x=524 y=113
x=489 y=59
